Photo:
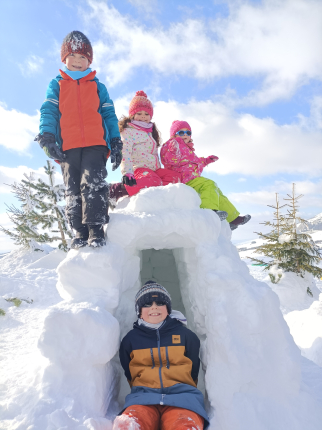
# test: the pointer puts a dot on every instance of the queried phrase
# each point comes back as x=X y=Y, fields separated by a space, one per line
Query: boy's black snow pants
x=84 y=172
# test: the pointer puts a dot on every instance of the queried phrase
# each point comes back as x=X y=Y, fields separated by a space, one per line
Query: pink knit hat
x=178 y=125
x=140 y=102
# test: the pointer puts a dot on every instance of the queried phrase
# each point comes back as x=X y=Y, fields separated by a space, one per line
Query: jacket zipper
x=167 y=355
x=80 y=113
x=160 y=359
x=151 y=352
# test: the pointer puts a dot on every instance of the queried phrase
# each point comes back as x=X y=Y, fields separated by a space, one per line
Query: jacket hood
x=88 y=77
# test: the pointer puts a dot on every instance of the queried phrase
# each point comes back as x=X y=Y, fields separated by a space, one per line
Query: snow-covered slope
x=254 y=376
x=314 y=223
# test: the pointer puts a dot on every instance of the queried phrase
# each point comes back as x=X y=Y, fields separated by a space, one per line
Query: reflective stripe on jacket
x=78 y=112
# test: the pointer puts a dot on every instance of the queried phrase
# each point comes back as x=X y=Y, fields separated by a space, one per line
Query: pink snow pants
x=146 y=178
x=155 y=417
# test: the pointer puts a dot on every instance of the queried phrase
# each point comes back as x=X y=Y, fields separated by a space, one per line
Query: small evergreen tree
x=289 y=249
x=39 y=208
x=25 y=232
x=50 y=214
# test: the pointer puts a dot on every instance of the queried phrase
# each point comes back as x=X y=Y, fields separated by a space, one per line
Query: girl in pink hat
x=178 y=155
x=140 y=164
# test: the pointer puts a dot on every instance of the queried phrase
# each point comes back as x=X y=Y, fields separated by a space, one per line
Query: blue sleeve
x=192 y=348
x=49 y=111
x=108 y=112
x=125 y=357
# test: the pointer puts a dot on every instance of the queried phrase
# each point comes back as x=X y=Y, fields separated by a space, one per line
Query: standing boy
x=79 y=129
x=160 y=358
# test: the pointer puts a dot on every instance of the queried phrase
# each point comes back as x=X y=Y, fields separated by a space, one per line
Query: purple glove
x=129 y=179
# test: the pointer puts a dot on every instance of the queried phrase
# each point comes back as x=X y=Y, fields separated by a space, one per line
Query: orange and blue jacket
x=78 y=112
x=162 y=366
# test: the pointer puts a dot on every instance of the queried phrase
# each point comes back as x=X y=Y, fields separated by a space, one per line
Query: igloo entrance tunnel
x=252 y=368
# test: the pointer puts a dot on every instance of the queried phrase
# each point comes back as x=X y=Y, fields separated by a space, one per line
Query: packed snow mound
x=306 y=329
x=292 y=290
x=176 y=196
x=253 y=375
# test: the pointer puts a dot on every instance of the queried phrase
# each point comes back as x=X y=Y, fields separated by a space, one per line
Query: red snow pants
x=155 y=417
x=146 y=178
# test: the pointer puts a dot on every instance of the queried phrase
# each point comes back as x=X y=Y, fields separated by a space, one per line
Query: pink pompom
x=141 y=94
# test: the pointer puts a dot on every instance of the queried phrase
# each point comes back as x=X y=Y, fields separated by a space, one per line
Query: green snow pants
x=212 y=197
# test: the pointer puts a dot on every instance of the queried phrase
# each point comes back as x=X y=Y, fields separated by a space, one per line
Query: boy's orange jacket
x=78 y=112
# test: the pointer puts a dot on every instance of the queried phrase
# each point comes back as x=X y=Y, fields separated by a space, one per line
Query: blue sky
x=245 y=74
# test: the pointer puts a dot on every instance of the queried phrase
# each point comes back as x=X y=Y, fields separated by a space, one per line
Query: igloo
x=252 y=376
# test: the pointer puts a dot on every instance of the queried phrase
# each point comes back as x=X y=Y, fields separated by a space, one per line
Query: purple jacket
x=177 y=155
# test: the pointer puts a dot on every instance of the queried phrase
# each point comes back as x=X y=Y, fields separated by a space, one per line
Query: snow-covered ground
x=59 y=364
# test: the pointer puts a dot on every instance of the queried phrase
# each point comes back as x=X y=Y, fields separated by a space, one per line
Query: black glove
x=129 y=180
x=116 y=152
x=47 y=142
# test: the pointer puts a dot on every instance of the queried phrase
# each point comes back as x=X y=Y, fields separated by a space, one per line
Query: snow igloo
x=251 y=372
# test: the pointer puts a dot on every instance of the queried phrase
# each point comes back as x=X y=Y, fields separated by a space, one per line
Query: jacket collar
x=168 y=325
x=88 y=77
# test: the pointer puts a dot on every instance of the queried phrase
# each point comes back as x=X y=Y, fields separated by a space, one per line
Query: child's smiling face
x=142 y=116
x=185 y=137
x=154 y=314
x=76 y=62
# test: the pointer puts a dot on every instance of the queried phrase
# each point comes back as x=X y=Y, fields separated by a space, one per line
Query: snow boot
x=240 y=220
x=96 y=235
x=80 y=238
x=222 y=214
x=115 y=192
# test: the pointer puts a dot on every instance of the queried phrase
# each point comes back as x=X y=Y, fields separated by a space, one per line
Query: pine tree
x=39 y=209
x=50 y=214
x=289 y=250
x=25 y=232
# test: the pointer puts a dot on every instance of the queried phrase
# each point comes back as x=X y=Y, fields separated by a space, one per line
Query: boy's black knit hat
x=78 y=43
x=152 y=292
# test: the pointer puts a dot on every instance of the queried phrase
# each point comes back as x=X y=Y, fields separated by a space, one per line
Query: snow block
x=79 y=342
x=96 y=276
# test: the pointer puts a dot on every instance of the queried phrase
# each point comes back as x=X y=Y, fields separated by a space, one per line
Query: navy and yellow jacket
x=162 y=366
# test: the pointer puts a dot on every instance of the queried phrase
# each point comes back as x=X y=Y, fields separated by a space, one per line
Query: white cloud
x=245 y=145
x=18 y=129
x=312 y=192
x=32 y=65
x=9 y=175
x=276 y=41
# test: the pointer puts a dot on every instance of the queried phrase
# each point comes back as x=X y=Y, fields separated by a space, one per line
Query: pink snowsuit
x=140 y=157
x=179 y=157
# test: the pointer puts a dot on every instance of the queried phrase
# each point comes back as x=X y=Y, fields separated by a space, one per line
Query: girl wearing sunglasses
x=178 y=154
x=160 y=358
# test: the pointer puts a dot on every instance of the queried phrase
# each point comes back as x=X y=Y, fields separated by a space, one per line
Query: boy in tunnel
x=160 y=358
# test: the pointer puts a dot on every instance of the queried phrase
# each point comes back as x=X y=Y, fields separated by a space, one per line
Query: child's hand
x=211 y=159
x=129 y=179
x=47 y=142
x=116 y=152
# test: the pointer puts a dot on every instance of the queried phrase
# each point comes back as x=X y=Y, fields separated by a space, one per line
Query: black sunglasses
x=149 y=304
